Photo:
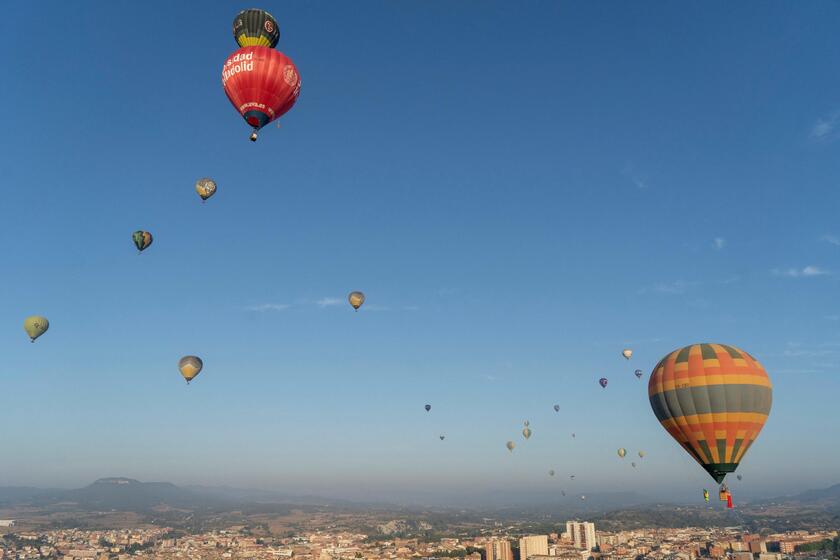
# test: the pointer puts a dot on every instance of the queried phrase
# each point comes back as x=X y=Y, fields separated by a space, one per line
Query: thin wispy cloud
x=831 y=239
x=263 y=307
x=672 y=288
x=807 y=272
x=825 y=127
x=328 y=302
x=635 y=177
x=719 y=243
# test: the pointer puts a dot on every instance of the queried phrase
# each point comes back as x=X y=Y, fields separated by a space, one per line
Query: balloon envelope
x=356 y=299
x=526 y=432
x=603 y=381
x=641 y=454
x=622 y=452
x=261 y=83
x=713 y=399
x=428 y=407
x=142 y=239
x=205 y=188
x=638 y=373
x=190 y=366
x=35 y=326
x=255 y=28
x=551 y=473
x=526 y=423
x=556 y=408
x=510 y=445
x=442 y=438
x=627 y=353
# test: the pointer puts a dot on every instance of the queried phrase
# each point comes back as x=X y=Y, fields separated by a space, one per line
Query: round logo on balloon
x=269 y=27
x=290 y=75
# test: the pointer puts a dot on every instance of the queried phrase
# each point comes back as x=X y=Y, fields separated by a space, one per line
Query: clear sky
x=521 y=190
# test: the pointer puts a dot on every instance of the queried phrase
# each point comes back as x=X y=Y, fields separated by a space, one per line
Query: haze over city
x=521 y=190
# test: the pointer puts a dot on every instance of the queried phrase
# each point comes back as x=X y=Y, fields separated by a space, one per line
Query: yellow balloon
x=190 y=366
x=35 y=326
x=356 y=299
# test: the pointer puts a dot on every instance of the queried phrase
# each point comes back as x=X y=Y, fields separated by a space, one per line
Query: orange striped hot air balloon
x=713 y=399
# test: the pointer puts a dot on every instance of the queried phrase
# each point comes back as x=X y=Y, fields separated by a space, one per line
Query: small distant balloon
x=627 y=353
x=205 y=188
x=527 y=423
x=556 y=408
x=35 y=326
x=526 y=433
x=572 y=476
x=563 y=492
x=510 y=445
x=142 y=240
x=190 y=366
x=573 y=435
x=638 y=373
x=622 y=452
x=356 y=299
x=740 y=477
x=603 y=381
x=442 y=438
x=551 y=472
x=633 y=465
x=641 y=454
x=428 y=407
x=583 y=497
x=706 y=495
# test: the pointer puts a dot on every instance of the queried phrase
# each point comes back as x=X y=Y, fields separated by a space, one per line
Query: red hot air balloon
x=603 y=381
x=261 y=83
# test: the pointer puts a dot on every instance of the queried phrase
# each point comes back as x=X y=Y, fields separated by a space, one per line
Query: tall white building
x=582 y=534
x=533 y=546
x=499 y=550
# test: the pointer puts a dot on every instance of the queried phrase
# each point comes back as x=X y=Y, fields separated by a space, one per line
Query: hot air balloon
x=255 y=28
x=551 y=472
x=627 y=353
x=622 y=452
x=190 y=366
x=706 y=495
x=633 y=465
x=740 y=477
x=428 y=407
x=556 y=408
x=526 y=433
x=261 y=83
x=205 y=188
x=638 y=373
x=713 y=399
x=356 y=299
x=572 y=476
x=573 y=435
x=641 y=454
x=583 y=497
x=510 y=445
x=142 y=240
x=563 y=492
x=603 y=381
x=526 y=423
x=35 y=326
x=442 y=438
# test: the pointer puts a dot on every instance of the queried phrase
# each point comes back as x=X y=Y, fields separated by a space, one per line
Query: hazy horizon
x=520 y=191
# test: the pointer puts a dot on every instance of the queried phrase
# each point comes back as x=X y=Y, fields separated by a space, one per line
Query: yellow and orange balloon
x=713 y=399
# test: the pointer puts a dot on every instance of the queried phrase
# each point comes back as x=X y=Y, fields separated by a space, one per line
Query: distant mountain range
x=126 y=494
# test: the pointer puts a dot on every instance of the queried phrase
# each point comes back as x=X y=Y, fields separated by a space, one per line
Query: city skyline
x=520 y=192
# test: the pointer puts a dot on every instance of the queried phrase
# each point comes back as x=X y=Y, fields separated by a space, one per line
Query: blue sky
x=521 y=191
